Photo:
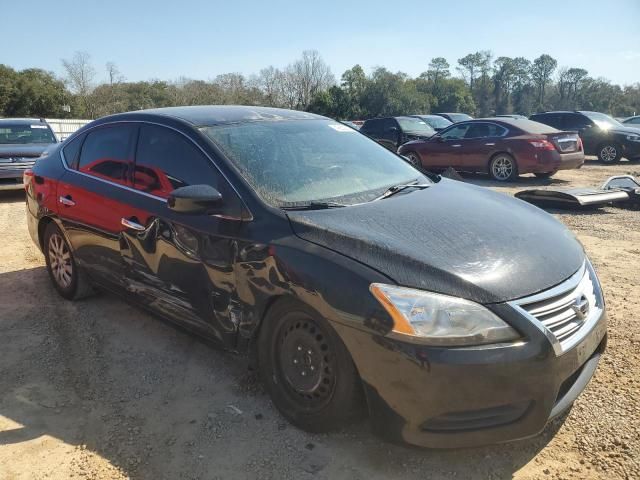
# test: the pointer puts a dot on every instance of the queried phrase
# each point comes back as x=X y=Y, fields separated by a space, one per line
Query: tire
x=503 y=168
x=414 y=159
x=70 y=282
x=545 y=174
x=609 y=153
x=307 y=370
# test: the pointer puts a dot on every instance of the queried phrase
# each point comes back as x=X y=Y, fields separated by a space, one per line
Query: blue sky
x=201 y=39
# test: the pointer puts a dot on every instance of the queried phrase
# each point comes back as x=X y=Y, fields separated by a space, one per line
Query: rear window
x=534 y=126
x=25 y=133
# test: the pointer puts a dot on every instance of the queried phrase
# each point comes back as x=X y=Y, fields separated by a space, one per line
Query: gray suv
x=22 y=141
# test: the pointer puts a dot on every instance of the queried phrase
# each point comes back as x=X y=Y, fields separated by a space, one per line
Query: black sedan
x=452 y=314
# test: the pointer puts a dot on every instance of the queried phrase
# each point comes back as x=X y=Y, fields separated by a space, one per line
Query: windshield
x=415 y=125
x=460 y=117
x=601 y=120
x=25 y=133
x=291 y=163
x=437 y=122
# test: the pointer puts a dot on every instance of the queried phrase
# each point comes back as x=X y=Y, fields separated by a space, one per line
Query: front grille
x=567 y=312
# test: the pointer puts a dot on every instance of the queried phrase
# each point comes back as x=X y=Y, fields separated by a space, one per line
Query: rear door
x=180 y=265
x=590 y=133
x=90 y=197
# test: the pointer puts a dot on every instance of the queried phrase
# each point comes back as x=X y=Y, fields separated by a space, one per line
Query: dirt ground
x=99 y=389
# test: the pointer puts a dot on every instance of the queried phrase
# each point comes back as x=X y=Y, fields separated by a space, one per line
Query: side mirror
x=194 y=199
x=438 y=138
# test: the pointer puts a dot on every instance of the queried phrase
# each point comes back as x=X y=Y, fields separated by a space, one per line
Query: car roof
x=208 y=115
x=21 y=121
x=524 y=124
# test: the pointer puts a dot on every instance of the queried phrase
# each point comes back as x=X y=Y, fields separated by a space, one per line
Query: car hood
x=624 y=130
x=20 y=150
x=451 y=238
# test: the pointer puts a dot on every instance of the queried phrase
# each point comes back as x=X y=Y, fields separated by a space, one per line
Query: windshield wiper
x=399 y=188
x=314 y=206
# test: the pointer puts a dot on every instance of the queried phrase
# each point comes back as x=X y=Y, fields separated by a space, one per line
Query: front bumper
x=11 y=174
x=463 y=397
x=631 y=150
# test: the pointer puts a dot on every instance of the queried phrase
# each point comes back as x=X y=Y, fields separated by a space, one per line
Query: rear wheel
x=307 y=370
x=69 y=281
x=609 y=153
x=503 y=168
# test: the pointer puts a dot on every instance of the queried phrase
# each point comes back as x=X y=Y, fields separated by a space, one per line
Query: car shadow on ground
x=7 y=196
x=525 y=181
x=156 y=402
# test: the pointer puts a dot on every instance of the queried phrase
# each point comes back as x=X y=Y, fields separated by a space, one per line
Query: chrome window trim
x=567 y=286
x=155 y=197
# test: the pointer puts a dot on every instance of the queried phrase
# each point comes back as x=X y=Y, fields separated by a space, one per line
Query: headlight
x=633 y=137
x=440 y=320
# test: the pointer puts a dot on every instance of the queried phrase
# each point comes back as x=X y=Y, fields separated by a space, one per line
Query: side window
x=372 y=127
x=635 y=120
x=387 y=132
x=481 y=130
x=575 y=121
x=456 y=132
x=166 y=160
x=548 y=119
x=71 y=151
x=107 y=153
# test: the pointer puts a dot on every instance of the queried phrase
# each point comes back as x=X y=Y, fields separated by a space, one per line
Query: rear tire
x=609 y=153
x=545 y=174
x=307 y=370
x=70 y=282
x=503 y=168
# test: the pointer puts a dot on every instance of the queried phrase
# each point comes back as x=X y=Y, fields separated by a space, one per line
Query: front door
x=181 y=265
x=446 y=149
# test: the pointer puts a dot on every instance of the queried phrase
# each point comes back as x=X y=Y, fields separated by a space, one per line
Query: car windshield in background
x=460 y=117
x=25 y=134
x=292 y=163
x=438 y=122
x=603 y=121
x=415 y=125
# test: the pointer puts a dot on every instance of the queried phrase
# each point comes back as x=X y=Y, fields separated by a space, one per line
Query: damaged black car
x=451 y=314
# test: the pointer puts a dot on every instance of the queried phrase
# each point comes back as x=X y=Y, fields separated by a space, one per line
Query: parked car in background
x=511 y=115
x=632 y=122
x=434 y=121
x=353 y=125
x=391 y=132
x=601 y=135
x=455 y=117
x=22 y=141
x=502 y=147
x=357 y=283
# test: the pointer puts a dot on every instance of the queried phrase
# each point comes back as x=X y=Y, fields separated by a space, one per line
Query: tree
x=113 y=73
x=80 y=76
x=503 y=79
x=470 y=68
x=308 y=76
x=541 y=72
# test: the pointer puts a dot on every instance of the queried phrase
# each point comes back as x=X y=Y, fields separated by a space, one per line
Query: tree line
x=478 y=84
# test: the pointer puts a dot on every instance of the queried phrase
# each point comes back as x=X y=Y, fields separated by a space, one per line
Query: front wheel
x=503 y=168
x=609 y=153
x=414 y=159
x=307 y=370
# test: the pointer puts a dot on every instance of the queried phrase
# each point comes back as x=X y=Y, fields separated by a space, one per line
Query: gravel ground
x=99 y=389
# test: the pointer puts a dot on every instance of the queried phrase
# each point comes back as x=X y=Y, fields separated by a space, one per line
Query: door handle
x=67 y=201
x=456 y=145
x=490 y=144
x=132 y=225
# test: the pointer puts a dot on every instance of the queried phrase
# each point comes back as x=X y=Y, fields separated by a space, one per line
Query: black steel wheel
x=307 y=370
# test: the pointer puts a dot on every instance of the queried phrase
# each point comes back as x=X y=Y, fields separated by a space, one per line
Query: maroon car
x=502 y=147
